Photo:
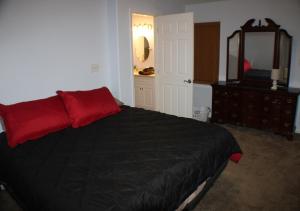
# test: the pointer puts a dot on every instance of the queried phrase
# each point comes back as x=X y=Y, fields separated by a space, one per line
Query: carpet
x=266 y=179
x=7 y=203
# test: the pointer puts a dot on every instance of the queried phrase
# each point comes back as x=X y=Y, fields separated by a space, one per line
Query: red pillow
x=33 y=119
x=235 y=157
x=85 y=107
x=247 y=66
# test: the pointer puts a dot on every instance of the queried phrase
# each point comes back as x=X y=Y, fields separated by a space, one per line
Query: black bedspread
x=135 y=160
x=258 y=74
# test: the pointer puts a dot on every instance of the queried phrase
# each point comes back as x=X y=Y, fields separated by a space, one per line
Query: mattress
x=135 y=160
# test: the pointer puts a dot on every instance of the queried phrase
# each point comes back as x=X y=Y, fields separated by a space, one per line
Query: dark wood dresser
x=260 y=108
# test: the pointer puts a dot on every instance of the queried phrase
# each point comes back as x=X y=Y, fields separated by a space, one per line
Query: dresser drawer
x=218 y=116
x=251 y=121
x=252 y=96
x=251 y=108
x=290 y=100
x=234 y=95
x=277 y=100
x=220 y=92
x=266 y=110
x=267 y=98
x=255 y=107
x=217 y=102
x=265 y=123
x=287 y=126
x=234 y=117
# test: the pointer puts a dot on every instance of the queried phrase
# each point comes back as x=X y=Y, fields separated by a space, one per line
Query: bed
x=134 y=160
x=258 y=74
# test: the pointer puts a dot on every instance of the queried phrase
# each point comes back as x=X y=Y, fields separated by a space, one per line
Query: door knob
x=188 y=81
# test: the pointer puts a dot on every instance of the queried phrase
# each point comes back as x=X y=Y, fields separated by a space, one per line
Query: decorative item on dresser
x=275 y=77
x=256 y=55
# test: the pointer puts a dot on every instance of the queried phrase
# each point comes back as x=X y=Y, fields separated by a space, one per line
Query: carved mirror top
x=250 y=27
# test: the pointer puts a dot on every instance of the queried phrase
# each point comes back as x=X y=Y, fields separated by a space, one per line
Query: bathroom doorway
x=143 y=61
x=168 y=48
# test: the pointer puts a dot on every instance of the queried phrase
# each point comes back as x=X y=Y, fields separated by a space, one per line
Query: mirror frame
x=250 y=27
x=289 y=52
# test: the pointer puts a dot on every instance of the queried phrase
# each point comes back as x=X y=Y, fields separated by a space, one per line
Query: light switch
x=95 y=68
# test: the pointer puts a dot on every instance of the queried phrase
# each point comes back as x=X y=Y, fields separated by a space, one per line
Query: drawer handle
x=288 y=111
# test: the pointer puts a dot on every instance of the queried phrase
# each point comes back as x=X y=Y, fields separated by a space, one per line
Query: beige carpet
x=267 y=178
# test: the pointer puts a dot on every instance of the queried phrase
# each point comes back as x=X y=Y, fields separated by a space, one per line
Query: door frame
x=131 y=12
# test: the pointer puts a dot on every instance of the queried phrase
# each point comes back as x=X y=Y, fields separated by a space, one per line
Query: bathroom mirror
x=142 y=48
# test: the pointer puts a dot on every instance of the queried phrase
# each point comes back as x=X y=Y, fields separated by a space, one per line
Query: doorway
x=207 y=50
x=168 y=89
x=143 y=60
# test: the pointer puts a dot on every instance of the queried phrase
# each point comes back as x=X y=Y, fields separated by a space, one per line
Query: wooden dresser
x=255 y=107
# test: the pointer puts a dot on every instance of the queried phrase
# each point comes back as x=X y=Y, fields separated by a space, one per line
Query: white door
x=174 y=62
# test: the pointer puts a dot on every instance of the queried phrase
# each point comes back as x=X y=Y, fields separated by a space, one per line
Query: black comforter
x=135 y=160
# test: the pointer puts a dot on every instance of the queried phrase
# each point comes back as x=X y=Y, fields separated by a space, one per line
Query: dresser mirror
x=233 y=49
x=259 y=55
x=142 y=48
x=255 y=50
